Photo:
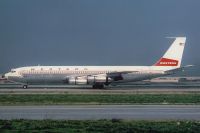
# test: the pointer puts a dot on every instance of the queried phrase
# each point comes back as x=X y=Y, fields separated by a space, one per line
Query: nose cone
x=2 y=77
x=6 y=76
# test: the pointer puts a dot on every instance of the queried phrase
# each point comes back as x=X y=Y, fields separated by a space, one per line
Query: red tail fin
x=166 y=62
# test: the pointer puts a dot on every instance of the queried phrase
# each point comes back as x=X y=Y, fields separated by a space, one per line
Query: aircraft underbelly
x=46 y=79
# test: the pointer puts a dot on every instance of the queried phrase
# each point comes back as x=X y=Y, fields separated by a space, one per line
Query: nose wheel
x=25 y=86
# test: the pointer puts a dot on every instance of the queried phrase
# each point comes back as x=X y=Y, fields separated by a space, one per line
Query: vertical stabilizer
x=174 y=54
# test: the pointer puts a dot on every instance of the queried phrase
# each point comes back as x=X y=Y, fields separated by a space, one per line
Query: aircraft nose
x=5 y=76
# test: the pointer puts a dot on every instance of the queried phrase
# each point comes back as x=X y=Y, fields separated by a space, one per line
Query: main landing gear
x=98 y=86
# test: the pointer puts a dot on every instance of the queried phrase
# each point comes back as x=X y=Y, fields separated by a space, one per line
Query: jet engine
x=89 y=80
x=77 y=81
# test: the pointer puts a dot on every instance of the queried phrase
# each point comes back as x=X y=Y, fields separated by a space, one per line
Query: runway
x=100 y=91
x=128 y=88
x=125 y=88
x=93 y=112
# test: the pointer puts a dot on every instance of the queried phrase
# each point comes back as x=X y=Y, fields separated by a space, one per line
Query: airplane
x=100 y=76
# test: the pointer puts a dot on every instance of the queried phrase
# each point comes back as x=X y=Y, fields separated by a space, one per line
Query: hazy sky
x=96 y=32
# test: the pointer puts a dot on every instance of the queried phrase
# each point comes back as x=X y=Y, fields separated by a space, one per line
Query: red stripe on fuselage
x=166 y=62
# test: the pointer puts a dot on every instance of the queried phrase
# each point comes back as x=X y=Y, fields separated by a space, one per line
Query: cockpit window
x=13 y=71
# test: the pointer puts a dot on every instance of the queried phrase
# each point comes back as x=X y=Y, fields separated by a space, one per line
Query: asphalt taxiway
x=156 y=88
x=90 y=112
x=100 y=91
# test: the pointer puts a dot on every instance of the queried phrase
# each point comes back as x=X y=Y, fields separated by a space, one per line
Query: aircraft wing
x=122 y=72
x=112 y=75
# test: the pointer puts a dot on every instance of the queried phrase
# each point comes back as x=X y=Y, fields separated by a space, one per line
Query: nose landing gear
x=25 y=86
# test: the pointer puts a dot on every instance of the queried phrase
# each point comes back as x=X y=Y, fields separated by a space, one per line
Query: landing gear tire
x=101 y=86
x=25 y=86
x=94 y=86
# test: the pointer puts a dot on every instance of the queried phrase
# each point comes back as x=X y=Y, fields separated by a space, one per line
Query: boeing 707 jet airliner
x=100 y=76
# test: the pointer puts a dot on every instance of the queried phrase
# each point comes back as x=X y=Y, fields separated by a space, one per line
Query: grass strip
x=99 y=126
x=60 y=99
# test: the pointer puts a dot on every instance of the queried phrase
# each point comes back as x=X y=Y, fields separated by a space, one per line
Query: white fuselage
x=59 y=74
